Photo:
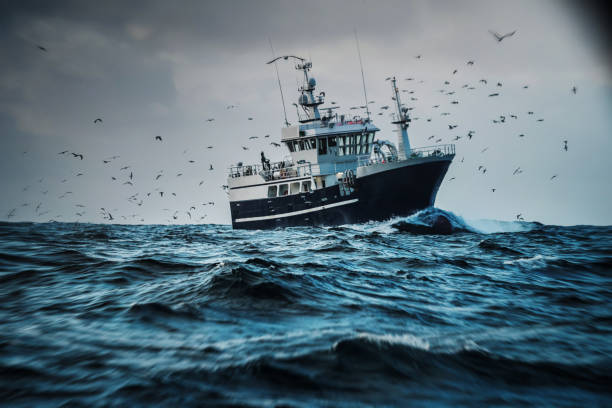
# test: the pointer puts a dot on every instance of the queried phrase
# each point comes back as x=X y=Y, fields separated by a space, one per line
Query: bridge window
x=305 y=186
x=323 y=146
x=341 y=140
x=295 y=188
x=283 y=190
x=272 y=191
x=331 y=141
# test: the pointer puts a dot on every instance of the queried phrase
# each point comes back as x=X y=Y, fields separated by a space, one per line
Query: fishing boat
x=338 y=171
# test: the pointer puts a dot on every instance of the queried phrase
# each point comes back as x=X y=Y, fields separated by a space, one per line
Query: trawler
x=338 y=171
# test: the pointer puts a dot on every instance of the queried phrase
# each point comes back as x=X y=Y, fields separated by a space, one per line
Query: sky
x=160 y=68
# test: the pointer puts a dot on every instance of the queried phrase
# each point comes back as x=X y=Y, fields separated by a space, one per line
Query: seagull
x=210 y=119
x=40 y=47
x=565 y=145
x=484 y=81
x=451 y=127
x=499 y=84
x=266 y=136
x=64 y=152
x=158 y=176
x=574 y=90
x=517 y=171
x=494 y=94
x=470 y=62
x=78 y=155
x=418 y=56
x=553 y=177
x=250 y=118
x=124 y=168
x=451 y=179
x=519 y=217
x=158 y=138
x=540 y=120
x=211 y=167
x=470 y=134
x=530 y=113
x=484 y=150
x=492 y=190
x=499 y=38
x=98 y=120
x=431 y=137
x=253 y=137
x=245 y=148
x=209 y=147
x=275 y=144
x=454 y=72
x=285 y=57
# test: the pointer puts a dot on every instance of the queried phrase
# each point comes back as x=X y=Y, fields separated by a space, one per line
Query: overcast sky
x=164 y=68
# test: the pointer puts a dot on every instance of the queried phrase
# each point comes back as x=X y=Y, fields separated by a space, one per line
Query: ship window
x=351 y=140
x=331 y=141
x=305 y=186
x=283 y=190
x=295 y=188
x=290 y=146
x=371 y=137
x=272 y=191
x=302 y=146
x=323 y=146
x=352 y=149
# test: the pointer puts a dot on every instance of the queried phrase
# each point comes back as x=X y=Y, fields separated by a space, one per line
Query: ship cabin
x=318 y=152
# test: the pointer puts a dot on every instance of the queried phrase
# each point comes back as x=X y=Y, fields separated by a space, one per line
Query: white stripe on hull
x=290 y=214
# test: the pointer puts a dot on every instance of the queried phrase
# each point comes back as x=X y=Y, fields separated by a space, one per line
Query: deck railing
x=274 y=171
x=416 y=153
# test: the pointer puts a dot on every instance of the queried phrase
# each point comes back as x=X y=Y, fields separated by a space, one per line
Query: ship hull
x=376 y=195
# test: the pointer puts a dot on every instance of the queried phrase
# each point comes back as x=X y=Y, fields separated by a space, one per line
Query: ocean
x=377 y=314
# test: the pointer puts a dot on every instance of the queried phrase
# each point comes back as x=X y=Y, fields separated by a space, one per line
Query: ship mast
x=402 y=124
x=307 y=100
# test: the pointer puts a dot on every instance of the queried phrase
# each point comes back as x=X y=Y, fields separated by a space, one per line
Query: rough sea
x=378 y=314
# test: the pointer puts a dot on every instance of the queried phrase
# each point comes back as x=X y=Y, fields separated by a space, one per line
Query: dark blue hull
x=395 y=192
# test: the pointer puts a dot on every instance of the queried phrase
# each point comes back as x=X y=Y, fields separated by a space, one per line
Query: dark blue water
x=363 y=315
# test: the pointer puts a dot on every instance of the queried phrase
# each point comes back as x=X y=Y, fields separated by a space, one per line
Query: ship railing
x=416 y=153
x=274 y=171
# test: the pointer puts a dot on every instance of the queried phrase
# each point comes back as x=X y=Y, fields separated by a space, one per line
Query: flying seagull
x=158 y=138
x=98 y=120
x=499 y=38
x=40 y=47
x=285 y=57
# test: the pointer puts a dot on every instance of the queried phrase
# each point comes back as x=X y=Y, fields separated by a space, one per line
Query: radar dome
x=312 y=83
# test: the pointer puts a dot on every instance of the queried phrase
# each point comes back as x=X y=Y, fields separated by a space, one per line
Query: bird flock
x=128 y=177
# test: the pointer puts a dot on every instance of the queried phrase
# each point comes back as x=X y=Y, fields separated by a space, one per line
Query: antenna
x=362 y=77
x=279 y=84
